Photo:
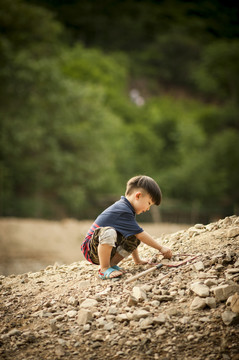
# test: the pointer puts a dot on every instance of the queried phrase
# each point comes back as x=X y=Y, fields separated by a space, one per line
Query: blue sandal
x=106 y=274
x=116 y=267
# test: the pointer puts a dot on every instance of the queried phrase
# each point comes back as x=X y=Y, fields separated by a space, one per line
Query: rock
x=84 y=316
x=132 y=301
x=138 y=314
x=199 y=266
x=233 y=232
x=14 y=332
x=113 y=310
x=160 y=332
x=122 y=317
x=235 y=303
x=73 y=301
x=89 y=303
x=200 y=289
x=223 y=292
x=160 y=319
x=198 y=303
x=109 y=326
x=146 y=323
x=211 y=302
x=210 y=282
x=229 y=317
x=139 y=294
x=71 y=313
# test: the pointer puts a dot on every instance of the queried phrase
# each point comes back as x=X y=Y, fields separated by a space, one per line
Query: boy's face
x=142 y=202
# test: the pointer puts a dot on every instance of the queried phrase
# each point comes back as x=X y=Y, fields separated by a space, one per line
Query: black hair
x=146 y=183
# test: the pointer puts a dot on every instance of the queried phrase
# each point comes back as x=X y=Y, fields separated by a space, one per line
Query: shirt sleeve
x=127 y=225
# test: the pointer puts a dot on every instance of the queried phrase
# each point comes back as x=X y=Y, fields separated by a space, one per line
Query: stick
x=158 y=266
x=145 y=272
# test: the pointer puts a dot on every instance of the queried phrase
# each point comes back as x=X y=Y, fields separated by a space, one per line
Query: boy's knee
x=108 y=236
x=127 y=246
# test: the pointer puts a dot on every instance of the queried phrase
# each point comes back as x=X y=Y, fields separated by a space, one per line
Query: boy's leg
x=124 y=248
x=103 y=241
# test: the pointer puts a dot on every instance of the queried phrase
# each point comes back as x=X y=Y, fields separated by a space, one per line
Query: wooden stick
x=145 y=272
x=158 y=266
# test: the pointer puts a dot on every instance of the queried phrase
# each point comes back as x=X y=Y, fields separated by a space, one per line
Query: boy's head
x=147 y=184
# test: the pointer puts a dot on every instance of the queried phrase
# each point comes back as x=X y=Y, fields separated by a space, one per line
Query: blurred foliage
x=71 y=135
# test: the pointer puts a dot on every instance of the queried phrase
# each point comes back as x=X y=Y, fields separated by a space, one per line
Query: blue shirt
x=120 y=216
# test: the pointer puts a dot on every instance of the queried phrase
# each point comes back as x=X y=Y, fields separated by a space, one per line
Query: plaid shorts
x=124 y=246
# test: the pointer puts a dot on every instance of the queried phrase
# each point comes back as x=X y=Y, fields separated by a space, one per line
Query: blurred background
x=94 y=92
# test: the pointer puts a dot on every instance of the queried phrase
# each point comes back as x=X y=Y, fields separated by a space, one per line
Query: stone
x=113 y=310
x=229 y=317
x=223 y=292
x=210 y=282
x=235 y=303
x=233 y=232
x=138 y=314
x=146 y=323
x=14 y=332
x=211 y=302
x=132 y=301
x=160 y=319
x=198 y=303
x=160 y=332
x=71 y=313
x=122 y=317
x=84 y=316
x=200 y=289
x=139 y=294
x=199 y=266
x=73 y=301
x=89 y=303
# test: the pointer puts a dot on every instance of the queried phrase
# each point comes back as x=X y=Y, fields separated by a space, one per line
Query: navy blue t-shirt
x=120 y=216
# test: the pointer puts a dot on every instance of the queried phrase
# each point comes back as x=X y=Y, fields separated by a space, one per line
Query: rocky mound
x=188 y=311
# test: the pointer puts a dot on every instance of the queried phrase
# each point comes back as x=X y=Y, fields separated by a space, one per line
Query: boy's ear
x=138 y=194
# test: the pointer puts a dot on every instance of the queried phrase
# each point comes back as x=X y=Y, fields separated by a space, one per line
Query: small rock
x=229 y=317
x=160 y=319
x=84 y=316
x=199 y=266
x=233 y=232
x=198 y=303
x=210 y=282
x=109 y=326
x=88 y=303
x=235 y=303
x=211 y=302
x=132 y=301
x=200 y=289
x=71 y=313
x=139 y=294
x=146 y=323
x=160 y=332
x=138 y=314
x=14 y=332
x=223 y=292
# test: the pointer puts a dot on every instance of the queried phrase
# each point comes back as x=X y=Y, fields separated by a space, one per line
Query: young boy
x=115 y=234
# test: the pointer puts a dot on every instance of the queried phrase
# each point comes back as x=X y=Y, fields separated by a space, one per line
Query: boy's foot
x=116 y=267
x=110 y=273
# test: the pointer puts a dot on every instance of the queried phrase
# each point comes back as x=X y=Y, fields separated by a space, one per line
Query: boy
x=115 y=234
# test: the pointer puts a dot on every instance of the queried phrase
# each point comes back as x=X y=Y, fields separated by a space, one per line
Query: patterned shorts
x=123 y=246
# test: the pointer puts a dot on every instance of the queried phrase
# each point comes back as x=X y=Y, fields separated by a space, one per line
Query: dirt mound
x=186 y=311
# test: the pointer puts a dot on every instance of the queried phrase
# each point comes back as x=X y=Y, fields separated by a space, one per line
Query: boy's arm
x=148 y=240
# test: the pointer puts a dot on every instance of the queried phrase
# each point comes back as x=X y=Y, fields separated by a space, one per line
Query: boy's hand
x=166 y=252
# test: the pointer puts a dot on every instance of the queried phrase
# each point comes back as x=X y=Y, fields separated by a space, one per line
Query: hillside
x=185 y=312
